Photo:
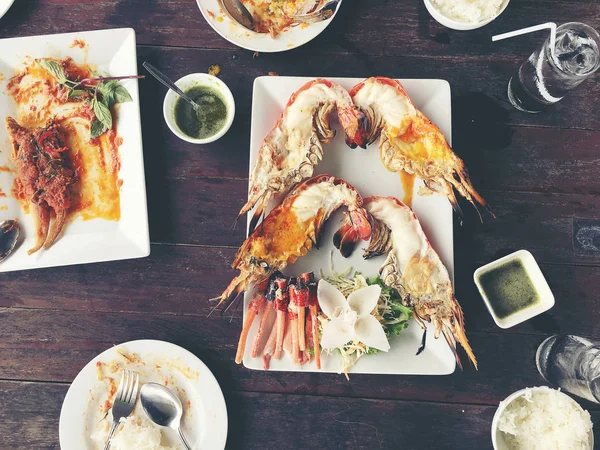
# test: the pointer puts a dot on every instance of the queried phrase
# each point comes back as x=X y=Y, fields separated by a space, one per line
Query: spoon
x=163 y=407
x=168 y=83
x=9 y=235
x=238 y=12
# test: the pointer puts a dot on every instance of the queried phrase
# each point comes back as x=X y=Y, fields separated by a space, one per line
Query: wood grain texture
x=500 y=155
x=378 y=27
x=257 y=421
x=478 y=86
x=539 y=172
x=55 y=345
x=180 y=280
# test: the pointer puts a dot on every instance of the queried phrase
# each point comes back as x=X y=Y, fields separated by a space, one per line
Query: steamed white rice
x=545 y=419
x=472 y=11
x=135 y=433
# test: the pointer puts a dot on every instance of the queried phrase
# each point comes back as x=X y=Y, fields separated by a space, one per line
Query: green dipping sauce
x=209 y=119
x=509 y=288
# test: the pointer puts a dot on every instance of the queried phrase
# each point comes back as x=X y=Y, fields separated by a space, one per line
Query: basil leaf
x=55 y=69
x=97 y=128
x=106 y=88
x=121 y=95
x=102 y=113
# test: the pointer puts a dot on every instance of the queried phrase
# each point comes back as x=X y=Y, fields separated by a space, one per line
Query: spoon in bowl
x=9 y=235
x=163 y=407
x=168 y=83
x=239 y=13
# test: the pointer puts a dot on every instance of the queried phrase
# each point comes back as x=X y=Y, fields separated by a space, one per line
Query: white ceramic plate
x=364 y=170
x=289 y=39
x=112 y=51
x=204 y=420
x=5 y=6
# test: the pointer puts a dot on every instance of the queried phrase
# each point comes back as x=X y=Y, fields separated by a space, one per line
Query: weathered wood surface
x=309 y=421
x=539 y=172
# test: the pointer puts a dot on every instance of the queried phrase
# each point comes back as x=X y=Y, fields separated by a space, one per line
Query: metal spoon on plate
x=9 y=235
x=168 y=83
x=163 y=407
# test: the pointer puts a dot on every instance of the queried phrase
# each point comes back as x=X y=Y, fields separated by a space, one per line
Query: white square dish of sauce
x=514 y=289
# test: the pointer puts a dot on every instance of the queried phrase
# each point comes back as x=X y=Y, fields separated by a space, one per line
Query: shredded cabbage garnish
x=391 y=313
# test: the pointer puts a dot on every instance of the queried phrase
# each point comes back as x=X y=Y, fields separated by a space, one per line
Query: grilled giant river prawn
x=410 y=142
x=415 y=270
x=294 y=146
x=44 y=177
x=292 y=228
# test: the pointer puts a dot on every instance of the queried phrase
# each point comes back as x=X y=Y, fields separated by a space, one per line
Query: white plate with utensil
x=363 y=169
x=229 y=29
x=84 y=421
x=82 y=241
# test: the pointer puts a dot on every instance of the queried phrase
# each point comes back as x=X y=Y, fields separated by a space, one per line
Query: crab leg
x=269 y=348
x=256 y=306
x=299 y=297
x=313 y=306
x=294 y=330
x=266 y=322
x=279 y=290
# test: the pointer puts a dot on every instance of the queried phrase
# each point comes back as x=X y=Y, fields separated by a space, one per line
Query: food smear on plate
x=275 y=16
x=80 y=105
x=545 y=419
x=470 y=11
x=509 y=288
x=137 y=432
x=209 y=119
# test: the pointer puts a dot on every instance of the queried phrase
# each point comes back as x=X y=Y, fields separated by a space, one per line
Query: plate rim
x=207 y=373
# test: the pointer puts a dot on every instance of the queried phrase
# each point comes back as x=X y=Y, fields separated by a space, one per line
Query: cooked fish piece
x=44 y=177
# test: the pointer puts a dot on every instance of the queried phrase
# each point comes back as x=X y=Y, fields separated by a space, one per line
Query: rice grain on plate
x=136 y=432
x=545 y=419
x=471 y=11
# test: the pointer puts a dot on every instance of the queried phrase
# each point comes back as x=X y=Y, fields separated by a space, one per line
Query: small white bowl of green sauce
x=514 y=289
x=214 y=117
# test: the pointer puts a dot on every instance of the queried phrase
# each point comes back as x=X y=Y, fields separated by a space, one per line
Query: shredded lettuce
x=390 y=311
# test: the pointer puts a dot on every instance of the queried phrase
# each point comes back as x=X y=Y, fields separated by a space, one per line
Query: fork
x=124 y=401
x=323 y=13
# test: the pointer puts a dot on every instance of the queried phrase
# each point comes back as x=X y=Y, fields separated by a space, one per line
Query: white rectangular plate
x=364 y=170
x=111 y=51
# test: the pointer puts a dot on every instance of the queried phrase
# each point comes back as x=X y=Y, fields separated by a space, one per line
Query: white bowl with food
x=541 y=418
x=464 y=15
x=217 y=109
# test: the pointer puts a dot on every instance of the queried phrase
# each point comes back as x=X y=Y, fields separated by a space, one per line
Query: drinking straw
x=544 y=26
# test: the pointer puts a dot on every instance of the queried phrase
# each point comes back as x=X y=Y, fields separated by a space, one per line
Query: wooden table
x=539 y=172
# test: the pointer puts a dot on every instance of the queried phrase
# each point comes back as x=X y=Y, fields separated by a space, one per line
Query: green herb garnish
x=102 y=91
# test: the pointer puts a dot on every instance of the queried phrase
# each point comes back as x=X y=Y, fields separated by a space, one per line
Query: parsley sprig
x=103 y=92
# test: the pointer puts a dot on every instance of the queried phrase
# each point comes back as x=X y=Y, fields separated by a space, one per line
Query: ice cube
x=576 y=52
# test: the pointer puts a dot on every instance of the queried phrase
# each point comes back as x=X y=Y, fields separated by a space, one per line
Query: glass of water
x=571 y=363
x=546 y=77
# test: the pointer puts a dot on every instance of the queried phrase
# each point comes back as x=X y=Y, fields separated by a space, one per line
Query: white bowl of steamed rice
x=465 y=14
x=541 y=418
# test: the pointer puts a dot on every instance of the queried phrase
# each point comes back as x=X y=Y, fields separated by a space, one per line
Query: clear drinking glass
x=571 y=363
x=544 y=79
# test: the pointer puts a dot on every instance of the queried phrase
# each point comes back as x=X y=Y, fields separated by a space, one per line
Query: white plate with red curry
x=107 y=215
